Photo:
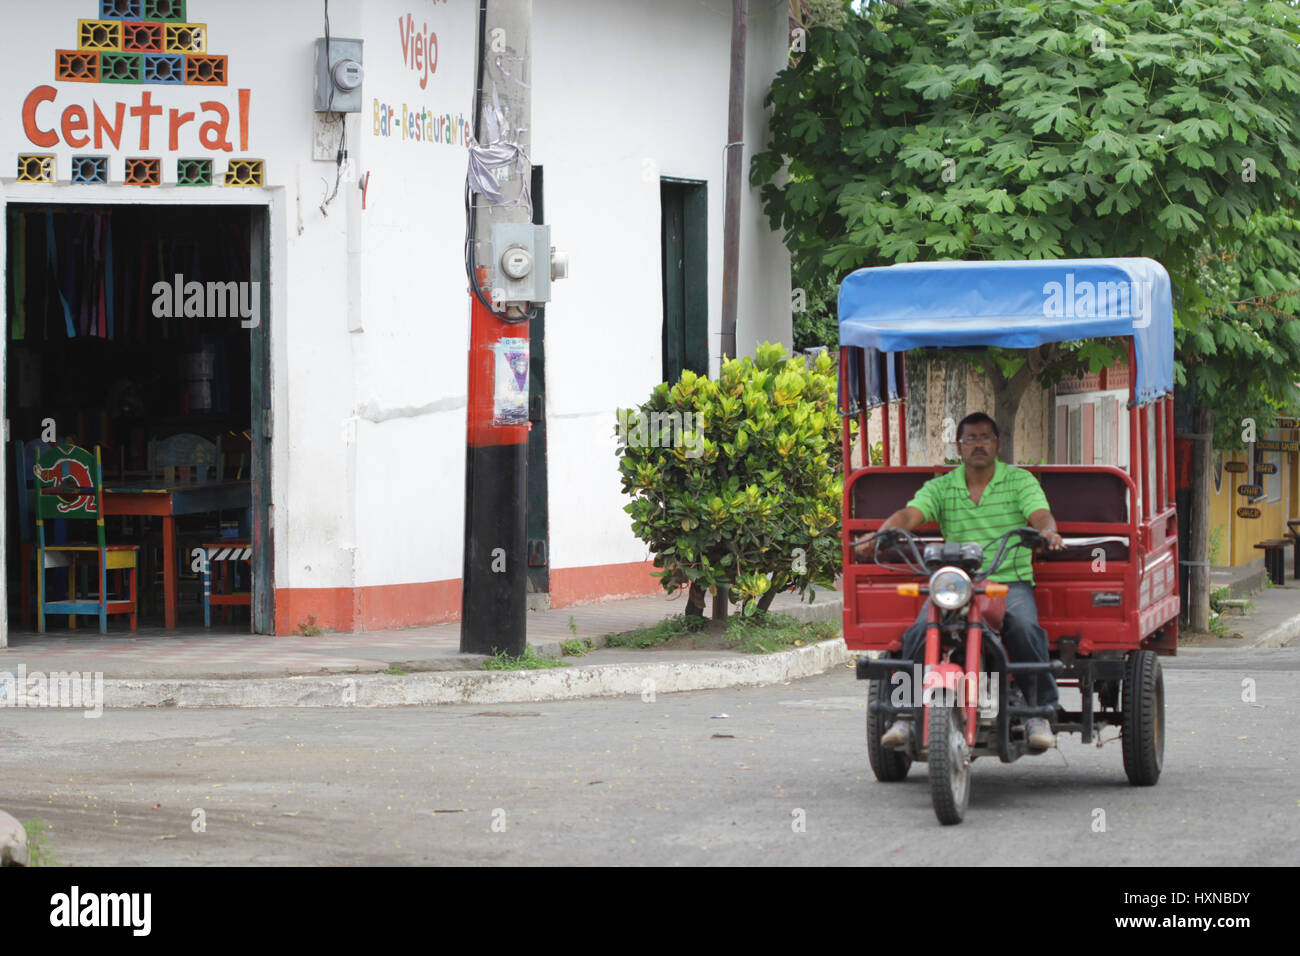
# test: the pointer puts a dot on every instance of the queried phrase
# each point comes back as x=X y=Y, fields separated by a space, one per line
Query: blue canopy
x=1015 y=305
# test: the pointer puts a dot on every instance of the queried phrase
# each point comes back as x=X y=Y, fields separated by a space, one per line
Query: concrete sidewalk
x=221 y=668
x=1273 y=619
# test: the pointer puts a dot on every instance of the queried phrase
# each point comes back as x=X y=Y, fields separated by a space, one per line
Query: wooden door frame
x=263 y=203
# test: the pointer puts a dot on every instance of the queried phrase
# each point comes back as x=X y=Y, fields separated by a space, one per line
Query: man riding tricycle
x=968 y=634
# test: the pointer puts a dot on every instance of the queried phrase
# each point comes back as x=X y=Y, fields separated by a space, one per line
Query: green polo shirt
x=1008 y=501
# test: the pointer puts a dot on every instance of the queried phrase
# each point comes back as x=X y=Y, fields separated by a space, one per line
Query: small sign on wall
x=1265 y=468
x=1269 y=444
x=1250 y=491
x=510 y=382
x=1235 y=467
x=1247 y=512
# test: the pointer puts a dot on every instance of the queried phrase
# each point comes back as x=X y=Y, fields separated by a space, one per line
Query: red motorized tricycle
x=1109 y=600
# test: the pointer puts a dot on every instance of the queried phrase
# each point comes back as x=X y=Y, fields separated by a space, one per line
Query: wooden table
x=168 y=501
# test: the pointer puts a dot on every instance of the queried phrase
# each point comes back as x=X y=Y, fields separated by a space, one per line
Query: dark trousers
x=1022 y=636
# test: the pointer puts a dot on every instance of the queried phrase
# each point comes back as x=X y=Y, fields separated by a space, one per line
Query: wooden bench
x=1274 y=558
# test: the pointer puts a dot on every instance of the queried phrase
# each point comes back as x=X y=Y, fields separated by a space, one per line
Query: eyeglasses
x=972 y=440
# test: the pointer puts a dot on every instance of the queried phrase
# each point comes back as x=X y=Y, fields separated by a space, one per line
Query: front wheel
x=1143 y=728
x=889 y=766
x=949 y=761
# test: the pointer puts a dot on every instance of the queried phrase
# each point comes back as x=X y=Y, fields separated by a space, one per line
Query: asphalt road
x=783 y=779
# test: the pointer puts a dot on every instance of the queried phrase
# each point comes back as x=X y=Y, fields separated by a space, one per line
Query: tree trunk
x=1198 y=546
x=695 y=601
x=1005 y=406
x=721 y=603
x=1007 y=392
x=765 y=601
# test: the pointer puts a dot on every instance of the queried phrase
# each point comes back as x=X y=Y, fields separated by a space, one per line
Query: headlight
x=950 y=588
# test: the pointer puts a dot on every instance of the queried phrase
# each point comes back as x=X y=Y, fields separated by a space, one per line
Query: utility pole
x=509 y=265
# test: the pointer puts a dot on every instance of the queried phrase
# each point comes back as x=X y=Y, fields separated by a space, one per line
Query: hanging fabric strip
x=164 y=331
x=52 y=262
x=19 y=325
x=78 y=258
x=108 y=273
x=80 y=283
x=137 y=306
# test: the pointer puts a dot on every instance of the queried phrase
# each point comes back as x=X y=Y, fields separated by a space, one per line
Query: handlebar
x=915 y=562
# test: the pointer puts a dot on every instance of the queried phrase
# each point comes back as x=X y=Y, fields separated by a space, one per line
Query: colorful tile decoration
x=205 y=70
x=141 y=41
x=164 y=68
x=245 y=172
x=143 y=172
x=35 y=169
x=121 y=67
x=148 y=42
x=89 y=170
x=80 y=66
x=193 y=172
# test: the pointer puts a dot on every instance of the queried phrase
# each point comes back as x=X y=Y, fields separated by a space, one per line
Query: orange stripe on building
x=383 y=607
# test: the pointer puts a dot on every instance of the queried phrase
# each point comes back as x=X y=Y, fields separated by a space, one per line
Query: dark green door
x=684 y=211
x=263 y=608
x=538 y=516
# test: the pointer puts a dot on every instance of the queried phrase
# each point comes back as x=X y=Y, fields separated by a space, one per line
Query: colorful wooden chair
x=224 y=555
x=184 y=459
x=24 y=492
x=70 y=487
x=180 y=460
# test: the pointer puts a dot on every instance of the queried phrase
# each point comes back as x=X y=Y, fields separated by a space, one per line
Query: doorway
x=140 y=330
x=684 y=231
x=538 y=505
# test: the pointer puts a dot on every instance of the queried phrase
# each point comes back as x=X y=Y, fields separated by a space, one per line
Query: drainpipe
x=735 y=157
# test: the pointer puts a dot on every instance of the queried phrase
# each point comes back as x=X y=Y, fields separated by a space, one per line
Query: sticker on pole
x=510 y=383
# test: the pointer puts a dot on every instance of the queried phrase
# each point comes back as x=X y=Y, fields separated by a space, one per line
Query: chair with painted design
x=25 y=497
x=184 y=459
x=70 y=487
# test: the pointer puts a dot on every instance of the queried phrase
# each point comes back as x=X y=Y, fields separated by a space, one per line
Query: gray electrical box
x=521 y=263
x=338 y=75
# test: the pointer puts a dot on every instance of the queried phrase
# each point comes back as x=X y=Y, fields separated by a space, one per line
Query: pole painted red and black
x=494 y=582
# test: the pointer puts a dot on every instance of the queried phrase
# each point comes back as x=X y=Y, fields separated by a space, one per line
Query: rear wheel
x=889 y=766
x=1143 y=728
x=949 y=761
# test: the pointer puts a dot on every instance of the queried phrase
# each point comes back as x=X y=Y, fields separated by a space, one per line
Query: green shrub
x=736 y=483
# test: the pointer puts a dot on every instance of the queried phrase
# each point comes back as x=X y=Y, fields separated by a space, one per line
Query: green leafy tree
x=974 y=129
x=736 y=482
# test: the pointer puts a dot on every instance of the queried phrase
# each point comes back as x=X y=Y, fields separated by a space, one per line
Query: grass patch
x=396 y=671
x=666 y=630
x=1220 y=612
x=763 y=633
x=528 y=660
x=38 y=844
x=577 y=648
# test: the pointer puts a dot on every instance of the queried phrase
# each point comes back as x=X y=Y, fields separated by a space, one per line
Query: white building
x=353 y=380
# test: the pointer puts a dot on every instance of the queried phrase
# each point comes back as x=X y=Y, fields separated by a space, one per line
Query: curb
x=480 y=687
x=1279 y=635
